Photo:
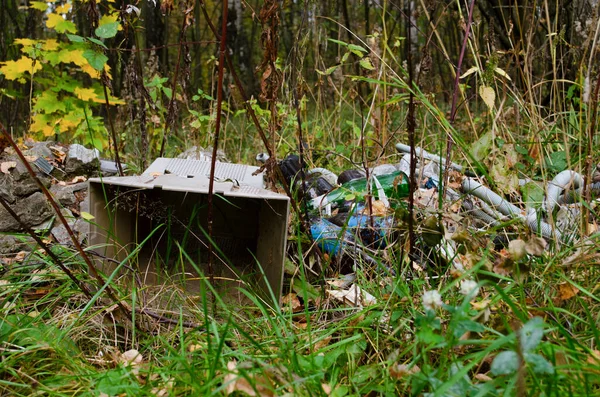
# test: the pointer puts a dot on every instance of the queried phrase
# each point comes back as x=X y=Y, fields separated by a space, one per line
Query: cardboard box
x=167 y=208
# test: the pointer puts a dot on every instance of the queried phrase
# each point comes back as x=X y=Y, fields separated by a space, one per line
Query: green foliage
x=529 y=338
x=62 y=102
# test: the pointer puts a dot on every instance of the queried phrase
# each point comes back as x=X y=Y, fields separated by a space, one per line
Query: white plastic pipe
x=564 y=180
x=531 y=219
x=420 y=153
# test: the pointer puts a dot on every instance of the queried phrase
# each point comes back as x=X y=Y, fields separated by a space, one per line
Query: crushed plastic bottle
x=392 y=186
x=328 y=236
x=372 y=230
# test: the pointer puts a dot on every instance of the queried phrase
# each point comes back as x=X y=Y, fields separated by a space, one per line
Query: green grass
x=396 y=346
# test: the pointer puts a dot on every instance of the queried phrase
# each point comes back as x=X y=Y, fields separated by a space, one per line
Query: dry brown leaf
x=354 y=296
x=483 y=377
x=536 y=246
x=291 y=302
x=399 y=371
x=6 y=166
x=163 y=391
x=480 y=305
x=20 y=256
x=426 y=198
x=379 y=208
x=196 y=346
x=566 y=291
x=326 y=388
x=517 y=249
x=321 y=344
x=131 y=357
x=594 y=357
x=236 y=383
x=58 y=152
x=503 y=264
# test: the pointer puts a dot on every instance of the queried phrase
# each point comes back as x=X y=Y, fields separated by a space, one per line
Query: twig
x=47 y=249
x=166 y=320
x=253 y=117
x=453 y=109
x=587 y=193
x=410 y=126
x=171 y=108
x=110 y=123
x=91 y=268
x=213 y=160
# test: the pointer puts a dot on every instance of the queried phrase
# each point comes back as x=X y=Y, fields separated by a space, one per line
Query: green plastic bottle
x=394 y=185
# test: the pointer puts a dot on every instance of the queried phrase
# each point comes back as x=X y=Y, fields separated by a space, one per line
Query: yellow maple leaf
x=50 y=45
x=26 y=43
x=109 y=18
x=13 y=70
x=63 y=9
x=66 y=124
x=41 y=124
x=53 y=20
x=86 y=94
x=112 y=100
x=93 y=73
x=60 y=24
x=38 y=5
x=75 y=56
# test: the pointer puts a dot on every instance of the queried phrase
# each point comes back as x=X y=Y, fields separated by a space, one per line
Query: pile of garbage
x=357 y=212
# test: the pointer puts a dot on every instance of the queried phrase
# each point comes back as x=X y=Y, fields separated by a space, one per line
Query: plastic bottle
x=329 y=237
x=383 y=187
x=373 y=230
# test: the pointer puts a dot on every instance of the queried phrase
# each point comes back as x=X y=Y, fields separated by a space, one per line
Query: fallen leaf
x=6 y=166
x=399 y=371
x=379 y=208
x=20 y=256
x=480 y=305
x=321 y=344
x=483 y=377
x=235 y=383
x=354 y=296
x=131 y=357
x=291 y=302
x=58 y=152
x=163 y=391
x=536 y=246
x=566 y=291
x=517 y=249
x=594 y=357
x=196 y=346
